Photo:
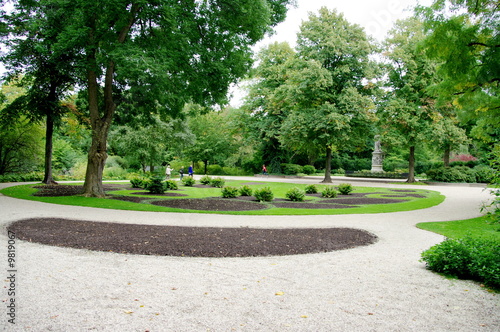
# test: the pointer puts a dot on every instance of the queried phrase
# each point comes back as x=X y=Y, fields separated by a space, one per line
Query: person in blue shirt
x=190 y=170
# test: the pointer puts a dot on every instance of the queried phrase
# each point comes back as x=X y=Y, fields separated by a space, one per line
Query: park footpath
x=380 y=287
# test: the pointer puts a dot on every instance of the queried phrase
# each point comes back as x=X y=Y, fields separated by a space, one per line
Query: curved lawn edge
x=433 y=198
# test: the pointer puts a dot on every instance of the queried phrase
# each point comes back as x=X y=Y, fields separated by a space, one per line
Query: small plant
x=155 y=186
x=311 y=189
x=217 y=182
x=171 y=185
x=137 y=182
x=230 y=192
x=295 y=194
x=264 y=194
x=309 y=169
x=329 y=192
x=345 y=188
x=468 y=258
x=245 y=191
x=205 y=180
x=188 y=181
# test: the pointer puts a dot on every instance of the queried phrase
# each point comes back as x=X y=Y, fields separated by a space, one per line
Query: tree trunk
x=205 y=162
x=446 y=157
x=411 y=173
x=49 y=134
x=328 y=167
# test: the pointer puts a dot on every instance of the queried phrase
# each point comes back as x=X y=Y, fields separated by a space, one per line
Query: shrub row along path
x=376 y=287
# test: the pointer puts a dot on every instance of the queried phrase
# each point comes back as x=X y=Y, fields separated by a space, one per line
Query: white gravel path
x=381 y=287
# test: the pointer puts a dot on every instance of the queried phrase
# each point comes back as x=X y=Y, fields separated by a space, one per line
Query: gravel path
x=380 y=287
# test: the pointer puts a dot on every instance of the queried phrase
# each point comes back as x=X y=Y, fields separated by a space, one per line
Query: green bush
x=345 y=188
x=215 y=170
x=217 y=182
x=468 y=258
x=137 y=182
x=264 y=194
x=295 y=194
x=188 y=181
x=309 y=169
x=329 y=192
x=22 y=177
x=452 y=174
x=205 y=180
x=245 y=191
x=155 y=185
x=229 y=192
x=171 y=185
x=291 y=169
x=311 y=189
x=484 y=174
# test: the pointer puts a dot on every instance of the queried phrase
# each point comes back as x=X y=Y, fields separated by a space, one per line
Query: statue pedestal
x=377 y=162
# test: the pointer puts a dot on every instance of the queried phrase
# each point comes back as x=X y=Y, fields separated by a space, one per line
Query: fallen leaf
x=303 y=316
x=128 y=311
x=279 y=293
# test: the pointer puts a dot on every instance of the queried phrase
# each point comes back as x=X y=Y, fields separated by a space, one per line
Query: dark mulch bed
x=209 y=204
x=132 y=199
x=405 y=195
x=58 y=190
x=168 y=193
x=187 y=241
x=306 y=205
x=362 y=201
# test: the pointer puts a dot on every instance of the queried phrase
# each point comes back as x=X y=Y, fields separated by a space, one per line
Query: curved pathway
x=382 y=287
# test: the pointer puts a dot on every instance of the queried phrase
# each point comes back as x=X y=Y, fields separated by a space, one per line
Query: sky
x=375 y=16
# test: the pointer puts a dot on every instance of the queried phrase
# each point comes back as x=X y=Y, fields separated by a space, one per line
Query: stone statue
x=377 y=158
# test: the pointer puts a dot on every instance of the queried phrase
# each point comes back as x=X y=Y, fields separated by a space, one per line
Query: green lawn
x=432 y=198
x=475 y=228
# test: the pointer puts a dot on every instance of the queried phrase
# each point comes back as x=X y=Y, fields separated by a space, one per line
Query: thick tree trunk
x=328 y=166
x=49 y=134
x=411 y=173
x=446 y=157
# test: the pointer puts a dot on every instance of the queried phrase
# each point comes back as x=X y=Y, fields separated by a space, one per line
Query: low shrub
x=188 y=181
x=229 y=192
x=22 y=177
x=311 y=189
x=215 y=170
x=345 y=188
x=329 y=192
x=205 y=180
x=217 y=182
x=171 y=185
x=137 y=182
x=245 y=191
x=155 y=185
x=468 y=258
x=308 y=169
x=484 y=174
x=452 y=174
x=291 y=169
x=295 y=194
x=264 y=194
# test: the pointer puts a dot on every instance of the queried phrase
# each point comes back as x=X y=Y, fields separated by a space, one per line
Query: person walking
x=190 y=171
x=181 y=172
x=168 y=172
x=264 y=169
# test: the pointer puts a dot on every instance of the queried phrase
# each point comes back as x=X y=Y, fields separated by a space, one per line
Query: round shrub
x=229 y=192
x=311 y=189
x=137 y=182
x=291 y=169
x=345 y=188
x=245 y=191
x=452 y=174
x=188 y=181
x=295 y=194
x=171 y=185
x=309 y=169
x=484 y=174
x=205 y=180
x=155 y=185
x=264 y=194
x=329 y=192
x=217 y=182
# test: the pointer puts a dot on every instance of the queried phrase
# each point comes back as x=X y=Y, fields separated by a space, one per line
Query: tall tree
x=336 y=53
x=31 y=37
x=165 y=52
x=464 y=36
x=409 y=111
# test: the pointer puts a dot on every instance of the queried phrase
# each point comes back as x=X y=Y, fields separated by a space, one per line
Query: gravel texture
x=379 y=287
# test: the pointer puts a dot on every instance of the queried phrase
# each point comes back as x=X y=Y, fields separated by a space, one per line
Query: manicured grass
x=475 y=228
x=432 y=198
